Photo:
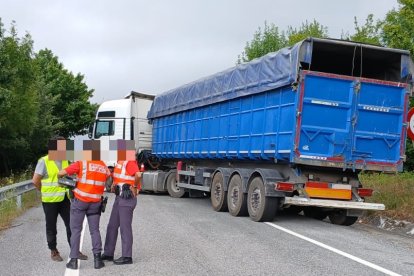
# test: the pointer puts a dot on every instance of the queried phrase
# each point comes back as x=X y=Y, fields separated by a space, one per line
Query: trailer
x=289 y=131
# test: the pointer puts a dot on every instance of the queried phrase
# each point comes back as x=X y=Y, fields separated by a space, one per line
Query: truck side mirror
x=90 y=131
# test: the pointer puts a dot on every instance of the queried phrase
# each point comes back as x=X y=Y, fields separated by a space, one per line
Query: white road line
x=75 y=272
x=337 y=251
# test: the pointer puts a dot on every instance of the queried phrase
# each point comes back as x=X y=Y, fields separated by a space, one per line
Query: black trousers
x=52 y=210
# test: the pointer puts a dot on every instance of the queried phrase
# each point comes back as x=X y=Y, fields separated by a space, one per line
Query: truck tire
x=173 y=189
x=218 y=194
x=260 y=206
x=315 y=213
x=340 y=218
x=236 y=199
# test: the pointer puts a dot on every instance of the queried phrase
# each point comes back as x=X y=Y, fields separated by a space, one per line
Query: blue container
x=273 y=110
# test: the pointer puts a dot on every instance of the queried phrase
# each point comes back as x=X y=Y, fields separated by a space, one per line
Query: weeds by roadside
x=396 y=191
x=9 y=210
x=17 y=177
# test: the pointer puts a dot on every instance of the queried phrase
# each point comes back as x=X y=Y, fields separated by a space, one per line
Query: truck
x=288 y=131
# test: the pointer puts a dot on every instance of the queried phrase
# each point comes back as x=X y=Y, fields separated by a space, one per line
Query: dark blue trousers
x=121 y=217
x=78 y=211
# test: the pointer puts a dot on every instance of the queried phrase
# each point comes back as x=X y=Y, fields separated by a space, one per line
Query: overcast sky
x=156 y=45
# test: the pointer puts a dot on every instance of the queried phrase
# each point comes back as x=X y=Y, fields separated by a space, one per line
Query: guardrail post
x=19 y=201
x=16 y=190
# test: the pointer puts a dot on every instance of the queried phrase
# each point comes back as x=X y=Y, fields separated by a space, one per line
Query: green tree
x=270 y=39
x=368 y=33
x=44 y=127
x=18 y=100
x=398 y=27
x=38 y=98
x=71 y=110
x=312 y=29
x=264 y=41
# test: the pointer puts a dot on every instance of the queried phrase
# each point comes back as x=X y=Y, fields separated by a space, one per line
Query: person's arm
x=72 y=169
x=37 y=181
x=132 y=170
x=39 y=173
x=137 y=184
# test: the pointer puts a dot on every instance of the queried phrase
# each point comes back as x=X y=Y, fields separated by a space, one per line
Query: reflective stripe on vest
x=84 y=194
x=51 y=190
x=120 y=176
x=91 y=181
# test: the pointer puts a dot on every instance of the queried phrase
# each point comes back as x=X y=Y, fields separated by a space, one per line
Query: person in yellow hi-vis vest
x=55 y=201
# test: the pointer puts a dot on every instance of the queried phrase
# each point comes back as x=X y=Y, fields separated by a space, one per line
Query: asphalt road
x=186 y=237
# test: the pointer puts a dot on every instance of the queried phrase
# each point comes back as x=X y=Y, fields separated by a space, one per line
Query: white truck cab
x=124 y=119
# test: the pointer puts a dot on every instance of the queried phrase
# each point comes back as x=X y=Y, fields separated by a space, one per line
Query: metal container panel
x=256 y=127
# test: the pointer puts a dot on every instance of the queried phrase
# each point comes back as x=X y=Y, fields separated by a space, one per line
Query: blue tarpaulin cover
x=271 y=71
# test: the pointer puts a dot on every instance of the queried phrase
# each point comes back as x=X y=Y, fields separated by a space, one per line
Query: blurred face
x=86 y=155
x=57 y=150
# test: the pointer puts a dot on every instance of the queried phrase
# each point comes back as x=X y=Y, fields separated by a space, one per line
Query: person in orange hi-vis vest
x=89 y=189
x=126 y=185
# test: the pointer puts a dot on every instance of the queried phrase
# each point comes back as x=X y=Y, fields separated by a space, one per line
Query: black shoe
x=72 y=264
x=98 y=263
x=123 y=260
x=107 y=258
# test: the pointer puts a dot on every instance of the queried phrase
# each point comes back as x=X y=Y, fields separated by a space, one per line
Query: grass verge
x=396 y=191
x=16 y=177
x=9 y=210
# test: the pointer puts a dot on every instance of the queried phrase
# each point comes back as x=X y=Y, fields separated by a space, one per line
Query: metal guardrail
x=16 y=190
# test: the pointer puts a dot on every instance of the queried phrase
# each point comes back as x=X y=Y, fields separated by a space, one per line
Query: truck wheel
x=315 y=213
x=218 y=195
x=236 y=199
x=260 y=206
x=340 y=218
x=173 y=189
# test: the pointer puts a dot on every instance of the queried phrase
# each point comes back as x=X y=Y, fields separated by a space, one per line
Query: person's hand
x=134 y=191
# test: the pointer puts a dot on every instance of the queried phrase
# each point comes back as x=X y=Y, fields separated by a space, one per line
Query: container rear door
x=378 y=135
x=344 y=122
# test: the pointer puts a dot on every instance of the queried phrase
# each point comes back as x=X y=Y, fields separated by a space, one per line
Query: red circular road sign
x=411 y=123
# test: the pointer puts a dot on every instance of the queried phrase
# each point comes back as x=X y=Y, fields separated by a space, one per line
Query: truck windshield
x=104 y=128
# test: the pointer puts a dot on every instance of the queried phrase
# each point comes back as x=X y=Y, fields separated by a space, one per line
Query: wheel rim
x=255 y=200
x=217 y=192
x=175 y=187
x=235 y=196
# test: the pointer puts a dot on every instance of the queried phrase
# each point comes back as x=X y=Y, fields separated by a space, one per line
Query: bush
x=394 y=190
